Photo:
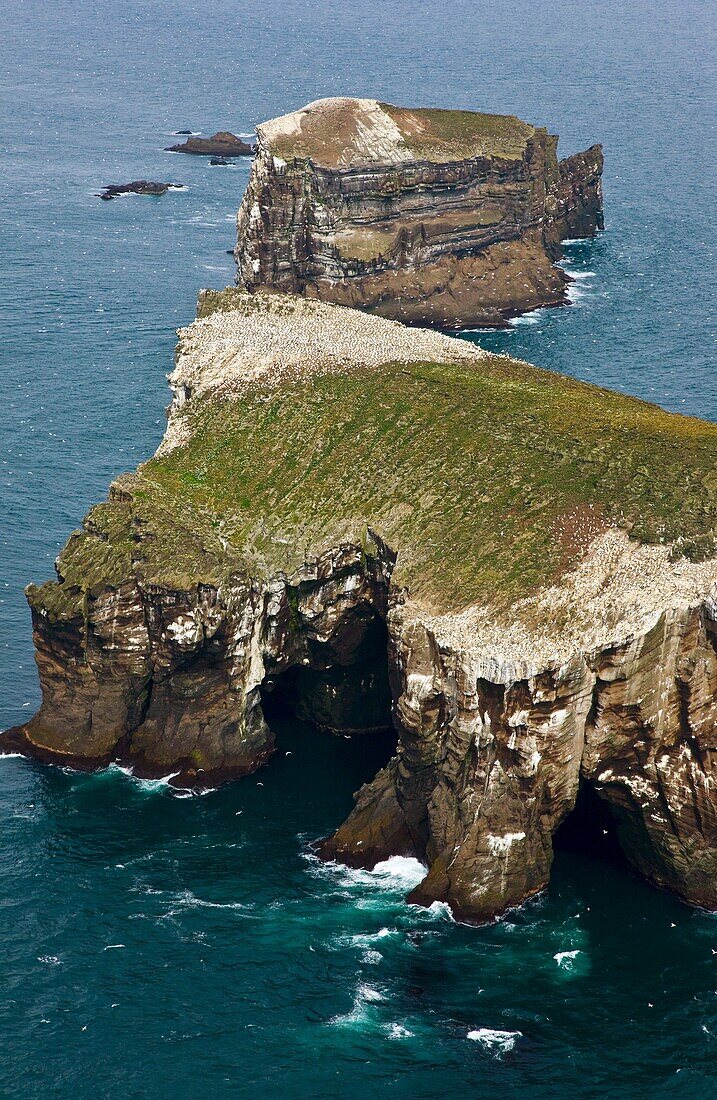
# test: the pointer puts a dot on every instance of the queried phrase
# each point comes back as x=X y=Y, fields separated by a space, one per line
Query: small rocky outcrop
x=386 y=525
x=137 y=187
x=447 y=218
x=222 y=144
x=573 y=206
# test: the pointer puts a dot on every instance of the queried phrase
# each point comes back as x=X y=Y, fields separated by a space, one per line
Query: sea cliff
x=388 y=526
x=447 y=218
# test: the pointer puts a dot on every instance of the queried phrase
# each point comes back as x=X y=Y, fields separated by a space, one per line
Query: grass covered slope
x=444 y=135
x=489 y=477
x=482 y=476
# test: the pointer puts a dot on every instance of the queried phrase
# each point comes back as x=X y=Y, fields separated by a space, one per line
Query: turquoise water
x=246 y=968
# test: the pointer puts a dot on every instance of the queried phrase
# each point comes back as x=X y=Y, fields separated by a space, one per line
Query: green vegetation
x=160 y=539
x=481 y=475
x=434 y=134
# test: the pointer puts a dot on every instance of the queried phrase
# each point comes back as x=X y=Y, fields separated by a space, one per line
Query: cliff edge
x=447 y=218
x=513 y=569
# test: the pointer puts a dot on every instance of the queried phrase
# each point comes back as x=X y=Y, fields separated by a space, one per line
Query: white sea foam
x=496 y=1042
x=367 y=939
x=566 y=959
x=399 y=873
x=143 y=784
x=11 y=756
x=186 y=899
x=361 y=1012
x=49 y=960
x=479 y=332
x=403 y=871
x=440 y=910
x=163 y=784
x=578 y=289
x=533 y=317
x=155 y=784
x=398 y=1031
x=368 y=993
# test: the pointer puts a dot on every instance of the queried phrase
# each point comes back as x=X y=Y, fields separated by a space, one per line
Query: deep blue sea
x=155 y=945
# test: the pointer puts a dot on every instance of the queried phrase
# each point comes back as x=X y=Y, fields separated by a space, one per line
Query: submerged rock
x=221 y=144
x=386 y=524
x=448 y=218
x=137 y=187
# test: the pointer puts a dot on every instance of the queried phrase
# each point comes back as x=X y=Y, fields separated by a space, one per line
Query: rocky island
x=447 y=218
x=512 y=569
x=137 y=187
x=222 y=144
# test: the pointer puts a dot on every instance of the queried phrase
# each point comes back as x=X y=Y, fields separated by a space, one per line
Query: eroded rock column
x=485 y=772
x=651 y=751
x=489 y=764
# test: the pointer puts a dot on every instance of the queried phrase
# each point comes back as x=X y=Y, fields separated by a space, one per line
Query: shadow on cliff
x=344 y=706
x=590 y=830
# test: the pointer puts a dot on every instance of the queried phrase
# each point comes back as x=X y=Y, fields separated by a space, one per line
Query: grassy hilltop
x=489 y=478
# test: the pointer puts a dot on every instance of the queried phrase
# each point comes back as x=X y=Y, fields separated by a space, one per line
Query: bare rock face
x=168 y=680
x=387 y=526
x=137 y=187
x=448 y=218
x=574 y=205
x=487 y=768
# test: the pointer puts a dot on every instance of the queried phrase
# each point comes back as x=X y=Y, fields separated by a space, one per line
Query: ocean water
x=158 y=945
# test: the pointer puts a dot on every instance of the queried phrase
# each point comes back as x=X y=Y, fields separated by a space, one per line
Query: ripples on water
x=199 y=936
x=156 y=944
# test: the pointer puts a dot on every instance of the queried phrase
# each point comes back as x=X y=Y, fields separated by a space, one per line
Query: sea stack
x=439 y=217
x=511 y=568
x=137 y=187
x=222 y=144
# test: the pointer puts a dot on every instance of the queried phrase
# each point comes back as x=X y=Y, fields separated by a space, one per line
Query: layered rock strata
x=389 y=525
x=448 y=218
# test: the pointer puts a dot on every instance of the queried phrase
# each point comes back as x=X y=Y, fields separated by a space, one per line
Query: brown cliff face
x=449 y=218
x=574 y=207
x=488 y=768
x=170 y=680
x=489 y=760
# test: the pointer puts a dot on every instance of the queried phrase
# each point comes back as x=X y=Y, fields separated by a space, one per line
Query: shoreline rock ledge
x=387 y=526
x=438 y=217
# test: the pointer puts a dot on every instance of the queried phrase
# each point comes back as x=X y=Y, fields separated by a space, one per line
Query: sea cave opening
x=591 y=829
x=332 y=707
